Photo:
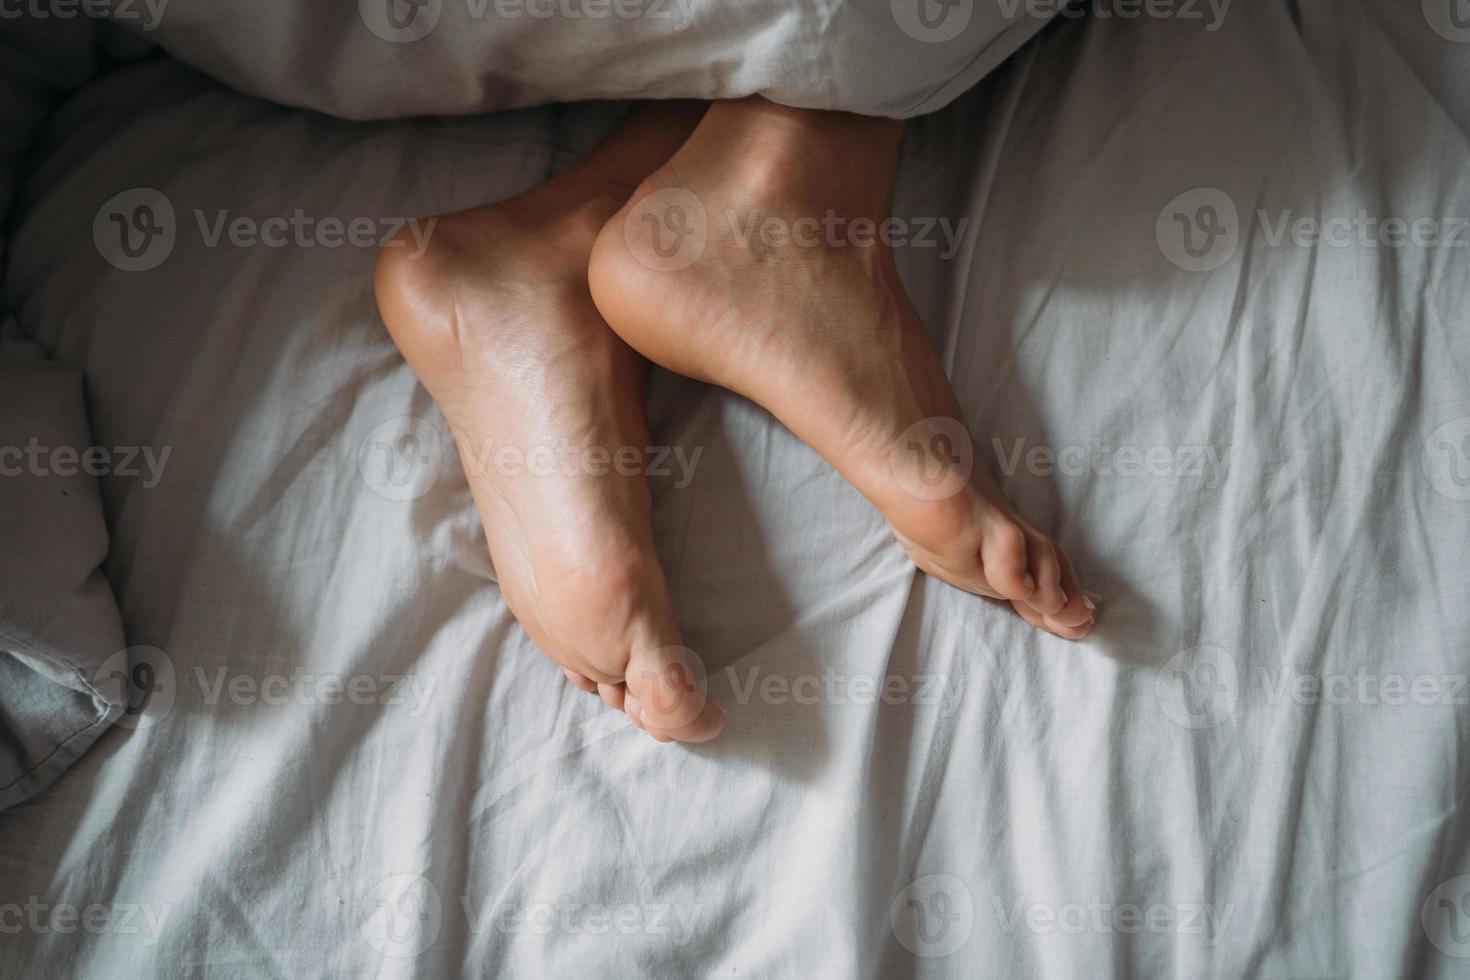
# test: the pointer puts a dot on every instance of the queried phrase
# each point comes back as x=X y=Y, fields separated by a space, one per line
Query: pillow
x=60 y=630
x=387 y=58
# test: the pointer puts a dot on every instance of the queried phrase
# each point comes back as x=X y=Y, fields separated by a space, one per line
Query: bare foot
x=496 y=321
x=720 y=268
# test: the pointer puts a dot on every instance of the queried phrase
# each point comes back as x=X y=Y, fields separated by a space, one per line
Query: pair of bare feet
x=691 y=237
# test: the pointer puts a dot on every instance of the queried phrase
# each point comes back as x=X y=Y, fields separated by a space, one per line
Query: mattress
x=1208 y=313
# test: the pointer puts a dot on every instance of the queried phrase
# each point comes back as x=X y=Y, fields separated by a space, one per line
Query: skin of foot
x=496 y=321
x=720 y=267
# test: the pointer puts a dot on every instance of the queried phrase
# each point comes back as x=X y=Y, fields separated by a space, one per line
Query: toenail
x=1029 y=582
x=1063 y=593
x=1087 y=601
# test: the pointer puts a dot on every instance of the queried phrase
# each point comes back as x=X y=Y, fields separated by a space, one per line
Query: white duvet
x=1210 y=314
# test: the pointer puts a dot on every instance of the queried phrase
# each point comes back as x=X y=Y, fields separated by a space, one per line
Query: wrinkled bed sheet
x=1197 y=350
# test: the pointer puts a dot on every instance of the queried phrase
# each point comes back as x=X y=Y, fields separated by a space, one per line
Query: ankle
x=573 y=206
x=774 y=154
x=593 y=188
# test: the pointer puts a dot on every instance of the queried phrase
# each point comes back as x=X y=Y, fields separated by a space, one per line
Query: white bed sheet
x=1168 y=798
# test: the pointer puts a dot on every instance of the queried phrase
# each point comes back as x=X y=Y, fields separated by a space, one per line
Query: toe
x=635 y=712
x=633 y=709
x=613 y=694
x=611 y=605
x=1050 y=598
x=1030 y=615
x=705 y=727
x=577 y=680
x=1074 y=618
x=1067 y=632
x=1080 y=610
x=1004 y=556
x=1044 y=623
x=664 y=681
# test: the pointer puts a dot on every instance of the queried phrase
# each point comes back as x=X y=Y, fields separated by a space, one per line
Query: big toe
x=1073 y=617
x=608 y=619
x=983 y=547
x=667 y=685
